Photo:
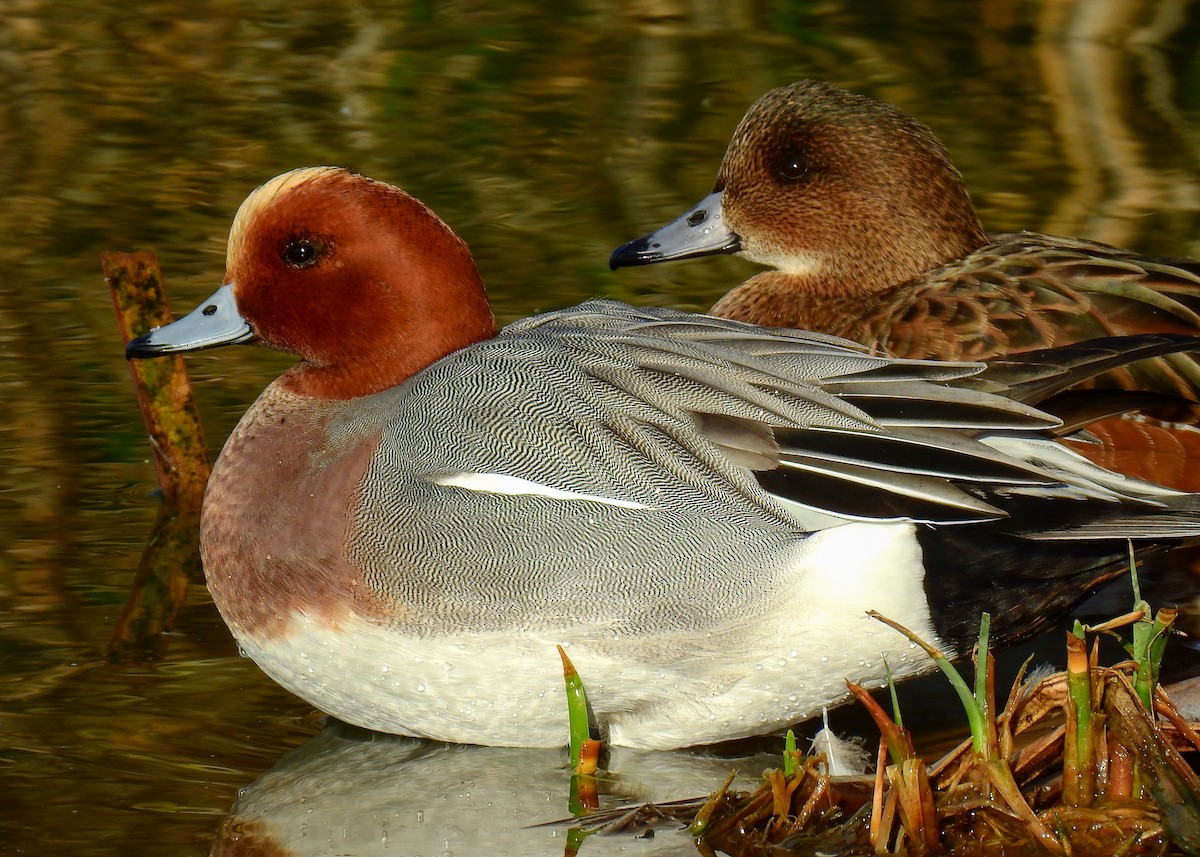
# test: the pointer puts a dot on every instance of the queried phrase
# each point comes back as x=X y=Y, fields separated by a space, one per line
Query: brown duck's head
x=841 y=188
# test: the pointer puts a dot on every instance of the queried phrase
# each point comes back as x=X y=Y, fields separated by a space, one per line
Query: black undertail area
x=1028 y=587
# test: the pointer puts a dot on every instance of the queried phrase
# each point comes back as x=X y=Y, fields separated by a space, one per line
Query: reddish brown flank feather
x=1145 y=449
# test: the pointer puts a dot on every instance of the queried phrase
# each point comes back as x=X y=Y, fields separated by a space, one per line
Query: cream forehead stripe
x=261 y=198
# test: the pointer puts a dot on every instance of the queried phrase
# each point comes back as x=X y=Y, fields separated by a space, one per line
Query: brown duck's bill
x=214 y=323
x=700 y=231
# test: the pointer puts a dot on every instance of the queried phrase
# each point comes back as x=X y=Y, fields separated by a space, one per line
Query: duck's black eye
x=302 y=252
x=791 y=166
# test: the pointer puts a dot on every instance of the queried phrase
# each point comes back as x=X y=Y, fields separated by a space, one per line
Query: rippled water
x=545 y=136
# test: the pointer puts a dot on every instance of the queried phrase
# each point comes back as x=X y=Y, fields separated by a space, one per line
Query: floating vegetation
x=1086 y=761
x=1083 y=762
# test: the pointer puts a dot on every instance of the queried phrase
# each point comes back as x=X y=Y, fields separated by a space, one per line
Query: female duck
x=405 y=524
x=873 y=237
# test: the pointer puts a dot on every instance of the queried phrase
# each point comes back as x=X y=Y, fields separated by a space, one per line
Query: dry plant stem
x=1045 y=700
x=1039 y=755
x=988 y=706
x=990 y=770
x=1172 y=783
x=589 y=756
x=910 y=793
x=918 y=812
x=999 y=775
x=887 y=823
x=171 y=558
x=896 y=737
x=1004 y=723
x=963 y=760
x=781 y=795
x=750 y=815
x=162 y=385
x=877 y=821
x=1122 y=621
x=1120 y=771
x=783 y=788
x=995 y=766
x=821 y=792
x=1166 y=707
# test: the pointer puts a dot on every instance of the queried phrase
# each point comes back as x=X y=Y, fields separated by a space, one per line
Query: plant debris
x=1074 y=764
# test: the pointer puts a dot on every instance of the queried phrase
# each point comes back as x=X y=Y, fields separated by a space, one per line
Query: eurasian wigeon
x=700 y=511
x=872 y=236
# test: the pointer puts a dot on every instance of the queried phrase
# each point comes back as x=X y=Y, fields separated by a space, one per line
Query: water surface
x=546 y=136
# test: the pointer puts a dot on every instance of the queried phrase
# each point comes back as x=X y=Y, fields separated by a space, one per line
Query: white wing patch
x=498 y=483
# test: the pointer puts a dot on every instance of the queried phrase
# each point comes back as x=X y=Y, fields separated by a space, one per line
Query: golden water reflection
x=546 y=138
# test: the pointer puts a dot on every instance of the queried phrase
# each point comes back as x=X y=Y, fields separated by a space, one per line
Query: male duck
x=873 y=236
x=700 y=511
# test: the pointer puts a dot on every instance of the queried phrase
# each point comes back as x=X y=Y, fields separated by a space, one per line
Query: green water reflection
x=546 y=135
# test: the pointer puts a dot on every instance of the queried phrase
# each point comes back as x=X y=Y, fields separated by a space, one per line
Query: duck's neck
x=423 y=336
x=778 y=299
x=852 y=282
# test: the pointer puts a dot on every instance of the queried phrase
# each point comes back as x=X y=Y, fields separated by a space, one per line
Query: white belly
x=672 y=690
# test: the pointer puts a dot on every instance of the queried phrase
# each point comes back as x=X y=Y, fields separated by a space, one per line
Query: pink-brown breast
x=277 y=513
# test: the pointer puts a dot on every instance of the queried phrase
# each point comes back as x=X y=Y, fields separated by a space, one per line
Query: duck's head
x=835 y=188
x=360 y=280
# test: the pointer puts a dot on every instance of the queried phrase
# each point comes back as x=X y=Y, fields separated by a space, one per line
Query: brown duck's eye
x=791 y=167
x=302 y=252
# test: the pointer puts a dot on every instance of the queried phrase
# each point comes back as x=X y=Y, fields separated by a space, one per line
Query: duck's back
x=1021 y=292
x=1026 y=291
x=551 y=477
